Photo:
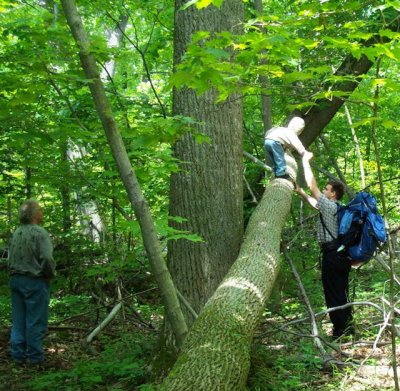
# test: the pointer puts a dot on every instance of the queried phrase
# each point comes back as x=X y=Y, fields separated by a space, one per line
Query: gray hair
x=28 y=211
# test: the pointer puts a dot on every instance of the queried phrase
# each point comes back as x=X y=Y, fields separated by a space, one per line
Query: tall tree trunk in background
x=90 y=219
x=266 y=104
x=9 y=214
x=65 y=190
x=114 y=39
x=216 y=352
x=357 y=146
x=127 y=174
x=208 y=190
x=28 y=182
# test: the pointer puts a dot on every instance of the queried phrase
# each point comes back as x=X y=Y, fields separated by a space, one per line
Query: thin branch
x=324 y=312
x=187 y=304
x=64 y=98
x=382 y=262
x=383 y=181
x=254 y=199
x=334 y=163
x=315 y=333
x=391 y=252
x=146 y=68
x=257 y=161
x=111 y=80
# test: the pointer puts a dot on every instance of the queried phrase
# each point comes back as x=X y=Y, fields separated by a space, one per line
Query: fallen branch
x=104 y=323
x=257 y=161
x=321 y=313
x=61 y=328
x=382 y=262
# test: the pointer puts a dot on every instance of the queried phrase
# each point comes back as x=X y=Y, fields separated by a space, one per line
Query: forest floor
x=110 y=362
x=284 y=358
x=289 y=361
x=280 y=362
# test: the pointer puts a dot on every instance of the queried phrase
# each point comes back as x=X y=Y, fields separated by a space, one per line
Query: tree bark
x=128 y=176
x=208 y=189
x=325 y=109
x=321 y=114
x=216 y=352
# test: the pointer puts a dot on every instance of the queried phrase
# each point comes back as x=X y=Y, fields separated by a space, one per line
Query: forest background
x=191 y=87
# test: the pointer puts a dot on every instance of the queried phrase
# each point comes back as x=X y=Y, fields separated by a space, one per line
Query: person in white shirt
x=278 y=139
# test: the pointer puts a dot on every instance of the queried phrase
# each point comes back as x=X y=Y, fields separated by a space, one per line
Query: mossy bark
x=216 y=352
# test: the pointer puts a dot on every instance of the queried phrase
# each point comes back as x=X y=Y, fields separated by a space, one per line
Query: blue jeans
x=276 y=155
x=30 y=302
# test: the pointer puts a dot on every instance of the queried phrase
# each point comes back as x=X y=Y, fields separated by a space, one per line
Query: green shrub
x=121 y=364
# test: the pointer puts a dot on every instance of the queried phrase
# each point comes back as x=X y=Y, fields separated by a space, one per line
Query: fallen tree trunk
x=216 y=352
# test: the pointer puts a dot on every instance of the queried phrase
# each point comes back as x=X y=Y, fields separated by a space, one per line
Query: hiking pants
x=335 y=281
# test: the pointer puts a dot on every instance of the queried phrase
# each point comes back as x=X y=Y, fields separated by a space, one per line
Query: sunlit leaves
x=202 y=3
x=288 y=47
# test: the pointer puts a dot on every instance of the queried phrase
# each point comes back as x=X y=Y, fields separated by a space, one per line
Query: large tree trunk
x=128 y=176
x=208 y=190
x=216 y=352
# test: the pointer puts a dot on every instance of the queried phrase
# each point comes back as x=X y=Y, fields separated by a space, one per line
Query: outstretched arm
x=309 y=176
x=310 y=200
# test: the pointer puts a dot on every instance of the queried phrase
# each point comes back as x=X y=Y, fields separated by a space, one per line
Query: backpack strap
x=325 y=228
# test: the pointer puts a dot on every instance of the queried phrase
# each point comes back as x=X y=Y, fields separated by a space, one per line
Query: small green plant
x=121 y=362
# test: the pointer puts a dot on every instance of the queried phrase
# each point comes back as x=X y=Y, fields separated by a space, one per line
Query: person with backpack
x=335 y=267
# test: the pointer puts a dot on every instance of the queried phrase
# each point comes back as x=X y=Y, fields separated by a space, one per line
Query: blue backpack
x=361 y=227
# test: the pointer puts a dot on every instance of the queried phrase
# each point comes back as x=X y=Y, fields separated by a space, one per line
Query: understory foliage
x=52 y=148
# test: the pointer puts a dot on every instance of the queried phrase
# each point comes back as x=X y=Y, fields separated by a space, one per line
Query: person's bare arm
x=310 y=179
x=310 y=200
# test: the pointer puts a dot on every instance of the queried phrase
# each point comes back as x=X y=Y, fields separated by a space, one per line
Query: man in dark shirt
x=31 y=265
x=335 y=268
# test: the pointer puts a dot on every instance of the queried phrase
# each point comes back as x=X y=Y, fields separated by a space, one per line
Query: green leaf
x=202 y=138
x=297 y=76
x=389 y=124
x=202 y=3
x=205 y=3
x=219 y=53
x=199 y=36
